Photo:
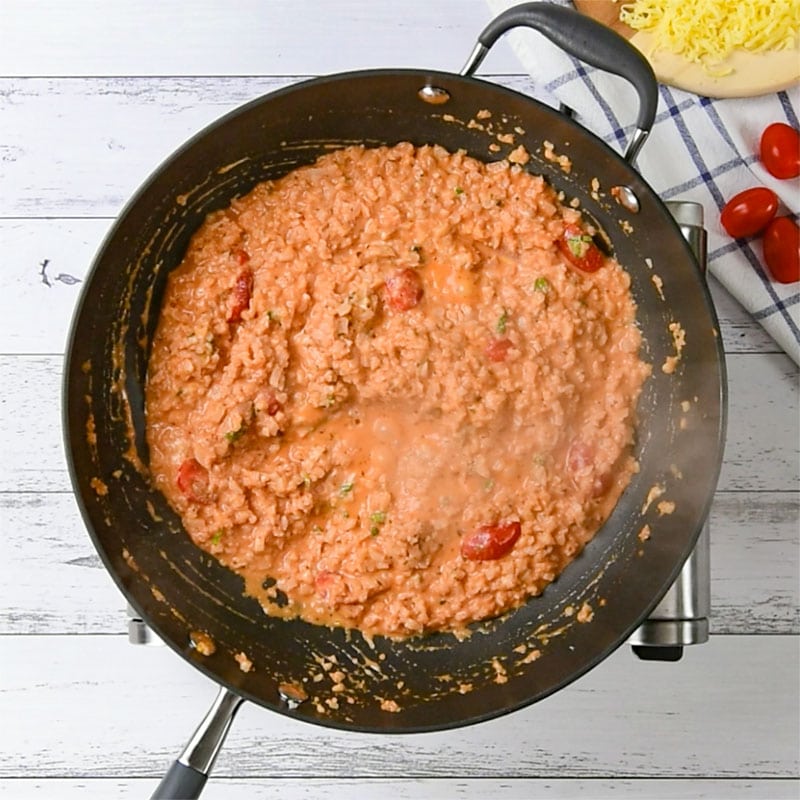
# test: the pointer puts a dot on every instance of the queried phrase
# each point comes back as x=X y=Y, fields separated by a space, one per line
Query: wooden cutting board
x=753 y=73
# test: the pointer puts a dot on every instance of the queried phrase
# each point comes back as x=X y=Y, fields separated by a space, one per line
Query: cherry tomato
x=580 y=456
x=782 y=250
x=780 y=150
x=193 y=481
x=580 y=250
x=242 y=290
x=329 y=585
x=403 y=289
x=749 y=212
x=497 y=349
x=273 y=406
x=490 y=542
x=581 y=464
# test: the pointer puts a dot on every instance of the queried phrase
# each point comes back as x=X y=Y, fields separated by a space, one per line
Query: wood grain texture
x=411 y=789
x=46 y=261
x=755 y=584
x=760 y=453
x=240 y=37
x=92 y=97
x=607 y=12
x=728 y=709
x=113 y=133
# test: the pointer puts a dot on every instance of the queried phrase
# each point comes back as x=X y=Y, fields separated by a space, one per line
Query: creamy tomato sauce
x=395 y=390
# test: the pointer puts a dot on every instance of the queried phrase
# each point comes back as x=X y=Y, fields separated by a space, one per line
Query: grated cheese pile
x=706 y=32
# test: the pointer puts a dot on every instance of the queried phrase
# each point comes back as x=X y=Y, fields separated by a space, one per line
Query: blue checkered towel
x=700 y=149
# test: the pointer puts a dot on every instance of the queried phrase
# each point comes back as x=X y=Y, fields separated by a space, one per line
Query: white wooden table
x=92 y=96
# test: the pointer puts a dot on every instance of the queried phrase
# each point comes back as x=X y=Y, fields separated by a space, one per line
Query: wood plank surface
x=46 y=261
x=755 y=575
x=115 y=132
x=760 y=453
x=92 y=97
x=240 y=37
x=728 y=709
x=412 y=788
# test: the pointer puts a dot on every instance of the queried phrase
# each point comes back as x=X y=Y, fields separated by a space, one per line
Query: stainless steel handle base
x=187 y=775
x=681 y=618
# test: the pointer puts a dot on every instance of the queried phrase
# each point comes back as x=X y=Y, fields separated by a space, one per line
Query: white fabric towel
x=699 y=149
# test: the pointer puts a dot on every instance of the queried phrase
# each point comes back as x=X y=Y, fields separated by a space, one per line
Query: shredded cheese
x=706 y=32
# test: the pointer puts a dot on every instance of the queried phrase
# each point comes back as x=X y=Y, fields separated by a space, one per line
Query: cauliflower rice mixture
x=395 y=390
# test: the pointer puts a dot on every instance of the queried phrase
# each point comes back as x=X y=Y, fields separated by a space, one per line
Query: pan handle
x=588 y=40
x=187 y=776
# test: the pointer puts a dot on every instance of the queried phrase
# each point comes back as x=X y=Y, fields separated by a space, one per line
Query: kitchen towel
x=699 y=149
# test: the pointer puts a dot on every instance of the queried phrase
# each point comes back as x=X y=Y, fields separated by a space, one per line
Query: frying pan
x=436 y=681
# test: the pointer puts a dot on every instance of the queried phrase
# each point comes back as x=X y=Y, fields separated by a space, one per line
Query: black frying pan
x=178 y=589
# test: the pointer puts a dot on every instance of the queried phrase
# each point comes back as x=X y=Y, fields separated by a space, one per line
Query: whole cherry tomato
x=490 y=542
x=749 y=212
x=780 y=150
x=782 y=250
x=580 y=250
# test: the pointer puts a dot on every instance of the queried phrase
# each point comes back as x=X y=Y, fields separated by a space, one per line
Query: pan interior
x=350 y=682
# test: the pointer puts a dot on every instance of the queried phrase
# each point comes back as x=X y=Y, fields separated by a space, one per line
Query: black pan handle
x=187 y=776
x=181 y=782
x=588 y=40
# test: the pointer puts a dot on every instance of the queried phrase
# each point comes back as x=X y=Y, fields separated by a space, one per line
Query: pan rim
x=69 y=404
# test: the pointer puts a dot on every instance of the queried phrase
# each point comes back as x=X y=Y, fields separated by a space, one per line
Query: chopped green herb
x=217 y=537
x=377 y=518
x=502 y=322
x=234 y=436
x=578 y=245
x=345 y=513
x=330 y=400
x=316 y=528
x=539 y=459
x=542 y=285
x=458 y=190
x=346 y=488
x=306 y=479
x=488 y=485
x=417 y=248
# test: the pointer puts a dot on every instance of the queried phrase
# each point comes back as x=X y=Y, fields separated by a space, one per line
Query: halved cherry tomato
x=782 y=250
x=581 y=465
x=242 y=256
x=580 y=456
x=328 y=584
x=497 y=349
x=403 y=289
x=749 y=212
x=192 y=480
x=580 y=249
x=490 y=542
x=780 y=150
x=273 y=406
x=242 y=290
